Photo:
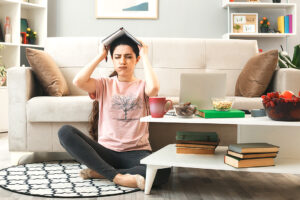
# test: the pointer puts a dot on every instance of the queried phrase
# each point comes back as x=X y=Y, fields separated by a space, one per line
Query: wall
x=204 y=19
x=177 y=18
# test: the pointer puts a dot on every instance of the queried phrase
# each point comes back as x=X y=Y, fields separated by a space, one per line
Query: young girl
x=121 y=140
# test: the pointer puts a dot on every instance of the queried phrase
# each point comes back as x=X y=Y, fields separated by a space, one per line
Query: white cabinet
x=264 y=8
x=36 y=14
x=35 y=11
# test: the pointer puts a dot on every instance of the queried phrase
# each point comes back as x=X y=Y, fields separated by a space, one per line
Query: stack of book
x=196 y=142
x=221 y=114
x=285 y=24
x=251 y=155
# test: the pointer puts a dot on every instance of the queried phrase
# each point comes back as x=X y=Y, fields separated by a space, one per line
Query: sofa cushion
x=257 y=74
x=59 y=109
x=47 y=72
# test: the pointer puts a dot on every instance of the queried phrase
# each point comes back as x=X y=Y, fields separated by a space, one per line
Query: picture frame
x=127 y=9
x=244 y=23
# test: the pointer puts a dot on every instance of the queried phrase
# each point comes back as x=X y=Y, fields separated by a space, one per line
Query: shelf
x=257 y=5
x=32 y=6
x=3 y=87
x=167 y=156
x=9 y=44
x=6 y=2
x=31 y=45
x=257 y=35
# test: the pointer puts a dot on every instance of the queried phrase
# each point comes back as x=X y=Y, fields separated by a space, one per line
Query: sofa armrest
x=286 y=79
x=21 y=84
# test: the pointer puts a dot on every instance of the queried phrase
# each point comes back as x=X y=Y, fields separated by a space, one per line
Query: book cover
x=185 y=150
x=291 y=23
x=197 y=136
x=253 y=148
x=120 y=32
x=286 y=24
x=252 y=155
x=253 y=162
x=280 y=23
x=204 y=146
x=196 y=142
x=221 y=114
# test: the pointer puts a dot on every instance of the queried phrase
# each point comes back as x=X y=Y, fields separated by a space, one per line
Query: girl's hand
x=143 y=49
x=104 y=51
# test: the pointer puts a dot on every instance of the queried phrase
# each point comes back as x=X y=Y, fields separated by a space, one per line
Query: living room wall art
x=127 y=9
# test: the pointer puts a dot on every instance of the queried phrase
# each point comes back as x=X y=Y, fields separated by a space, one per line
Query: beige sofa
x=34 y=120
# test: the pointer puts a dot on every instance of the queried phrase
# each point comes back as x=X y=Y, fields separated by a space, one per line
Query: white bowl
x=222 y=104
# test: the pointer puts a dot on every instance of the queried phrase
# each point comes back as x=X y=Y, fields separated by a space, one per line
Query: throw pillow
x=47 y=72
x=257 y=74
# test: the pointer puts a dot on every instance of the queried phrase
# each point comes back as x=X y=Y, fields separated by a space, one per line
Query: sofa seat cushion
x=59 y=109
x=246 y=103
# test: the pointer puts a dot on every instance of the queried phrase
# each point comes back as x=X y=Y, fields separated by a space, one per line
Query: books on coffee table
x=251 y=155
x=196 y=142
x=221 y=114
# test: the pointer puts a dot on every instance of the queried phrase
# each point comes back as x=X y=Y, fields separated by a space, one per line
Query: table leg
x=150 y=175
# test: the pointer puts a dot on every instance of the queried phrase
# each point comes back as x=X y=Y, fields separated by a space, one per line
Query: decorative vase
x=264 y=29
x=276 y=1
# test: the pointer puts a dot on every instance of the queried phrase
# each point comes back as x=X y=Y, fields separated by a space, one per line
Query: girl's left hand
x=143 y=49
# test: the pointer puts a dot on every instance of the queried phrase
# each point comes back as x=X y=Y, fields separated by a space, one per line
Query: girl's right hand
x=104 y=51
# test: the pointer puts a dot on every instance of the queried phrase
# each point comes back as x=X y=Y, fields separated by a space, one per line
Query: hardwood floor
x=186 y=184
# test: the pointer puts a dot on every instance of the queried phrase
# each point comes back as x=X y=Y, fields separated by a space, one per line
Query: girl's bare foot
x=89 y=173
x=128 y=180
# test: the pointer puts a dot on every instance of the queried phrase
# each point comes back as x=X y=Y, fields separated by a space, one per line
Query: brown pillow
x=47 y=72
x=257 y=74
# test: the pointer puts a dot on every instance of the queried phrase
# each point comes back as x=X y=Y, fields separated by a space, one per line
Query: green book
x=221 y=114
x=197 y=136
x=253 y=148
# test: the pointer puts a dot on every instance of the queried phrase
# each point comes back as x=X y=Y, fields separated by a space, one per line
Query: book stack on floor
x=196 y=142
x=251 y=155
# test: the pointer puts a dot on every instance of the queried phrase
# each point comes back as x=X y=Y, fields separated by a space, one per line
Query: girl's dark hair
x=94 y=116
x=124 y=40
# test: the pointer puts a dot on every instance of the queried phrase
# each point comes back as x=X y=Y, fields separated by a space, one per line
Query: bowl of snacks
x=185 y=109
x=283 y=106
x=222 y=104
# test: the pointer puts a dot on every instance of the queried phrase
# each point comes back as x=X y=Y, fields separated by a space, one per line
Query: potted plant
x=31 y=36
x=264 y=25
x=2 y=69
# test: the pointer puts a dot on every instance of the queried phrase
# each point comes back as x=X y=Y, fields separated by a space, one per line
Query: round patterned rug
x=56 y=179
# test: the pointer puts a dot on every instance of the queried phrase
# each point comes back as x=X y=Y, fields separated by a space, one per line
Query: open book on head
x=120 y=32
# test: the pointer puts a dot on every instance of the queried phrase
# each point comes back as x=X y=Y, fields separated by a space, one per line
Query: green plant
x=2 y=71
x=284 y=60
x=264 y=22
x=296 y=56
x=31 y=35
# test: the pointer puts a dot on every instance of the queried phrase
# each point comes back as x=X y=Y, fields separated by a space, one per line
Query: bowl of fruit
x=185 y=109
x=283 y=106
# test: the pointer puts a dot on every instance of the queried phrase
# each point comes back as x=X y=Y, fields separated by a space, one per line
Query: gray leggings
x=105 y=161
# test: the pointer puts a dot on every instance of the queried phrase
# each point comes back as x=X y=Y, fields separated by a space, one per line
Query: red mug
x=158 y=106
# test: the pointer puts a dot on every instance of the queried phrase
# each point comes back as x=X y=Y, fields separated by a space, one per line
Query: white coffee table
x=167 y=157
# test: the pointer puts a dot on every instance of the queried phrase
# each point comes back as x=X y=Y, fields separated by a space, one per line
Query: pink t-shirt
x=121 y=105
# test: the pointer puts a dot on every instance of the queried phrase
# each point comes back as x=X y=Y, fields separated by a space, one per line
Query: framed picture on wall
x=127 y=9
x=244 y=23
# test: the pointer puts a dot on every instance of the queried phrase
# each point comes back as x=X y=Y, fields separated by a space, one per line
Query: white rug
x=56 y=179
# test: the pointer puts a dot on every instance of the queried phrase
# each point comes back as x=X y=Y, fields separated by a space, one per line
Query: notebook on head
x=199 y=88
